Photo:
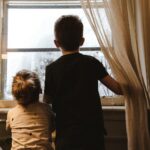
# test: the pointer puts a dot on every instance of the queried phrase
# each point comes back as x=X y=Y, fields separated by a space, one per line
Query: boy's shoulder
x=79 y=56
x=90 y=59
x=51 y=65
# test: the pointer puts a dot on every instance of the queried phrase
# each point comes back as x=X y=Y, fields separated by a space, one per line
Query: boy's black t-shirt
x=72 y=83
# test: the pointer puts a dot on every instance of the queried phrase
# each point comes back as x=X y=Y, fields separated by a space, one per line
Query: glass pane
x=33 y=27
x=36 y=61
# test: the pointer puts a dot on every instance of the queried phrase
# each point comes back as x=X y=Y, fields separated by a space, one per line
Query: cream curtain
x=128 y=51
x=143 y=22
x=1 y=19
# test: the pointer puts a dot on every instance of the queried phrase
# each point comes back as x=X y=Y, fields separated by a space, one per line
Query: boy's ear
x=57 y=43
x=82 y=41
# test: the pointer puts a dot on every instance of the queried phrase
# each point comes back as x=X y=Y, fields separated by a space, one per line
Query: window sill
x=113 y=101
x=108 y=103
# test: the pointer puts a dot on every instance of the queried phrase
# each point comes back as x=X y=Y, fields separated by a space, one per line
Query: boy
x=71 y=85
x=30 y=121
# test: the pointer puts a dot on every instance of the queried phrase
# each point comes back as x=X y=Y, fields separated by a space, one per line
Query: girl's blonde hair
x=26 y=87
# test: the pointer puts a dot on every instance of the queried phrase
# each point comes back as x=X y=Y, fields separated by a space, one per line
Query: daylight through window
x=30 y=40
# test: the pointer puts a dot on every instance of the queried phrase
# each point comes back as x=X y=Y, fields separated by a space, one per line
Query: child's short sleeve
x=101 y=70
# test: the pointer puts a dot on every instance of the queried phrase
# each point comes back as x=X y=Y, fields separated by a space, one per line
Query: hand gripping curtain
x=124 y=40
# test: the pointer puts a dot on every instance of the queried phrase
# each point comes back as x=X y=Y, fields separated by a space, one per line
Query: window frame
x=38 y=4
x=34 y=5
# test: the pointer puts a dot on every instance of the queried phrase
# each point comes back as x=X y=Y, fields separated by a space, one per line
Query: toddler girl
x=31 y=122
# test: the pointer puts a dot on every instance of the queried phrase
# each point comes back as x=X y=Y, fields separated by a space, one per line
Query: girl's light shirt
x=31 y=126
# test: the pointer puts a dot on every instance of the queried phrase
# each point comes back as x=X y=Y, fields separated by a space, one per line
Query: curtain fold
x=143 y=23
x=1 y=15
x=1 y=20
x=127 y=52
x=1 y=23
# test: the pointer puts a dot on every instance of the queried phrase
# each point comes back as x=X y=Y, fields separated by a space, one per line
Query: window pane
x=36 y=61
x=33 y=28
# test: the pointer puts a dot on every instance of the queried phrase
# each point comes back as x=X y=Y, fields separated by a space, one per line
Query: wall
x=114 y=118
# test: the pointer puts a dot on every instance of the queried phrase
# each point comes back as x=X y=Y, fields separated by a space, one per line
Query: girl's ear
x=57 y=43
x=82 y=41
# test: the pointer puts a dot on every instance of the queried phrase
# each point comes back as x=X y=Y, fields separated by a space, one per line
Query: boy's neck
x=69 y=52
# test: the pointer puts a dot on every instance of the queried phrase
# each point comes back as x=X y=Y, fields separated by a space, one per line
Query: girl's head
x=26 y=87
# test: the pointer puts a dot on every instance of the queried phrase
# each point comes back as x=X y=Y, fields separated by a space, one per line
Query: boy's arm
x=107 y=80
x=112 y=84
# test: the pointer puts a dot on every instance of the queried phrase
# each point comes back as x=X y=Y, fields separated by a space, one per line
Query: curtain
x=1 y=18
x=1 y=15
x=143 y=20
x=123 y=39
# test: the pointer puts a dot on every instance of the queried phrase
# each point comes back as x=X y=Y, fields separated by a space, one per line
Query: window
x=29 y=39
